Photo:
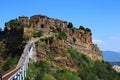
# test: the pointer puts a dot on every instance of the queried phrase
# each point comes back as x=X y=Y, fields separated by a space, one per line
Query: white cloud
x=97 y=41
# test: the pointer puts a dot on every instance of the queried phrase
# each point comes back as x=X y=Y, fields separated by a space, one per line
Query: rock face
x=78 y=39
x=83 y=43
x=57 y=52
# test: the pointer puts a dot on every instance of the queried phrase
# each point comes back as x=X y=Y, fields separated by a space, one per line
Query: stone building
x=46 y=24
x=38 y=22
x=41 y=22
x=24 y=20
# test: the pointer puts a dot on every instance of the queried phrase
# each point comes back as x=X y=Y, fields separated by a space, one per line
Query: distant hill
x=111 y=56
x=115 y=63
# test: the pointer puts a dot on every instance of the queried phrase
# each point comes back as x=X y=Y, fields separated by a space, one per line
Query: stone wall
x=41 y=22
x=24 y=20
x=80 y=35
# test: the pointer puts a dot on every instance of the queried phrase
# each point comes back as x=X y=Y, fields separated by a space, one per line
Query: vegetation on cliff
x=87 y=69
x=55 y=61
x=63 y=52
x=11 y=44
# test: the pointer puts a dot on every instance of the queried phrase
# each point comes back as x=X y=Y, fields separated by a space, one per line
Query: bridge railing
x=19 y=72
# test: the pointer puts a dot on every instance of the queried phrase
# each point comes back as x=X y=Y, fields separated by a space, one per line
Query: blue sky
x=101 y=16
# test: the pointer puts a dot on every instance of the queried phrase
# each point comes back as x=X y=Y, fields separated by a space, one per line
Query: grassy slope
x=88 y=70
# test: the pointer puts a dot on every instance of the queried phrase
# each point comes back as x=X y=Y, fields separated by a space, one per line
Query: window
x=42 y=25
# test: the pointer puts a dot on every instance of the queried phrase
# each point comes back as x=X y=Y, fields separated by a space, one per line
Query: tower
x=24 y=20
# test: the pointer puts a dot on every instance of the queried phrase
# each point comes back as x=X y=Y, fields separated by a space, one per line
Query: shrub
x=88 y=30
x=82 y=28
x=66 y=75
x=45 y=66
x=74 y=40
x=48 y=77
x=62 y=35
x=50 y=40
x=46 y=39
x=70 y=25
x=54 y=30
x=38 y=34
x=14 y=24
x=6 y=66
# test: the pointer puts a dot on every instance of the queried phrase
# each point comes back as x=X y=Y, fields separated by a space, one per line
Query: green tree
x=15 y=24
x=88 y=30
x=82 y=27
x=70 y=25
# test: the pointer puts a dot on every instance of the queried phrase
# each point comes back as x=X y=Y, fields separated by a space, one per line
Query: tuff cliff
x=64 y=36
x=56 y=48
x=40 y=25
x=61 y=52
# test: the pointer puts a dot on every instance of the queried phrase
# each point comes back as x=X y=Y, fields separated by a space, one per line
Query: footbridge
x=19 y=72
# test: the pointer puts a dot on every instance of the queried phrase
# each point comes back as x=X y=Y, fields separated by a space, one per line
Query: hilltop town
x=46 y=24
x=80 y=39
x=41 y=22
x=59 y=50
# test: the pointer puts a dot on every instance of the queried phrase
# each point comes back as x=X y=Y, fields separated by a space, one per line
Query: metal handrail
x=11 y=73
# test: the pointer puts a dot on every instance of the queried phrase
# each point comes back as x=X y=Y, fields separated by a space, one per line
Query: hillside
x=62 y=51
x=56 y=61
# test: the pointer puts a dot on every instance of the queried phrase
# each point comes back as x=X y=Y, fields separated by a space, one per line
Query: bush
x=6 y=66
x=48 y=77
x=48 y=39
x=14 y=24
x=54 y=30
x=66 y=75
x=44 y=66
x=74 y=40
x=73 y=53
x=82 y=28
x=70 y=25
x=88 y=30
x=38 y=34
x=62 y=35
